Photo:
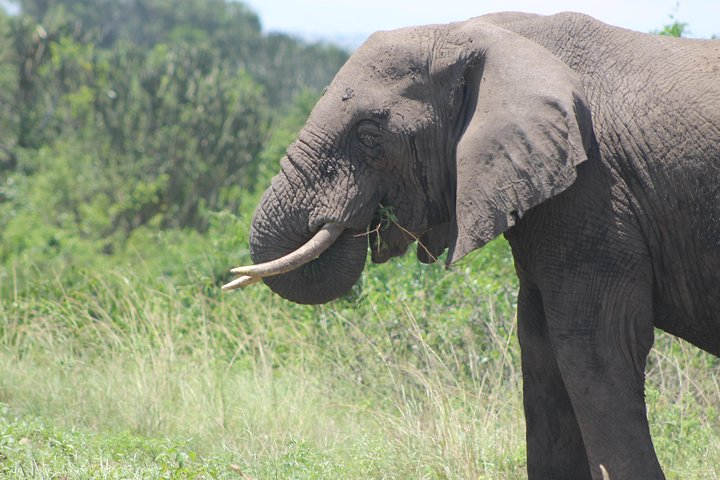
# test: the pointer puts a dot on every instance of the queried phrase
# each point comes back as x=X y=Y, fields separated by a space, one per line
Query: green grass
x=124 y=372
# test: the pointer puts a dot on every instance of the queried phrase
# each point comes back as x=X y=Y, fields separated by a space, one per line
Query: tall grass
x=361 y=388
x=414 y=375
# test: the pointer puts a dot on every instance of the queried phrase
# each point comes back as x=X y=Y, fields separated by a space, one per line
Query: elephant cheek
x=322 y=280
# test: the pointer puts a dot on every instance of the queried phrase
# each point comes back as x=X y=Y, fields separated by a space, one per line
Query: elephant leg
x=555 y=448
x=602 y=330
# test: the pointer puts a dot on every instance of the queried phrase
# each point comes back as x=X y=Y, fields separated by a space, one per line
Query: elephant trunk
x=322 y=240
x=297 y=264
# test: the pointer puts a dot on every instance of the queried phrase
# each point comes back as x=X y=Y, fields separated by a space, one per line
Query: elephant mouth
x=328 y=264
x=387 y=239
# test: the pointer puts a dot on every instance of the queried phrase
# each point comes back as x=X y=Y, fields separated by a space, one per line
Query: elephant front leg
x=601 y=339
x=555 y=448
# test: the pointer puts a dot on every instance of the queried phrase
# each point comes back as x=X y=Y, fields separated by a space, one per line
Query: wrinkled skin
x=594 y=149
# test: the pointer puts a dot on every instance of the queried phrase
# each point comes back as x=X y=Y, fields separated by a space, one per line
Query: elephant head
x=442 y=134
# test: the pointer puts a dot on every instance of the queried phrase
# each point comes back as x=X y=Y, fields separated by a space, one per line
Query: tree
x=283 y=65
x=674 y=29
x=122 y=114
x=8 y=90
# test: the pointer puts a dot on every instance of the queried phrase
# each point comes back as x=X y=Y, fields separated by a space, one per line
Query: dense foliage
x=122 y=115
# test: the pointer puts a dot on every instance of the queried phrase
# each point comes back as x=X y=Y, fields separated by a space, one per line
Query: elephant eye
x=369 y=134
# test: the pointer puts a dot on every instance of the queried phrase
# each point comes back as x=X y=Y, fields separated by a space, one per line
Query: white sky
x=359 y=18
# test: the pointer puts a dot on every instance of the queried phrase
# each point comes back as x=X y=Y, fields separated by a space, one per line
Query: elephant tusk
x=605 y=474
x=322 y=240
x=240 y=282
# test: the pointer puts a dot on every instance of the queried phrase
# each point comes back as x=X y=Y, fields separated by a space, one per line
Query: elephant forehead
x=365 y=84
x=387 y=78
x=393 y=56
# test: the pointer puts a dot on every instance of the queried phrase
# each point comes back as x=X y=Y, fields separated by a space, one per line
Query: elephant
x=594 y=149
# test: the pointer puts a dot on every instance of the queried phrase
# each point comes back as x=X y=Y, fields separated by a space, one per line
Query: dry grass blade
x=238 y=470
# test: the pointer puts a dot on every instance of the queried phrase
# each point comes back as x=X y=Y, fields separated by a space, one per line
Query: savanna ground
x=130 y=374
x=131 y=157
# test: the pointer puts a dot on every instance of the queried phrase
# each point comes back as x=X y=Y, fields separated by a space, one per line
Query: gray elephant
x=594 y=149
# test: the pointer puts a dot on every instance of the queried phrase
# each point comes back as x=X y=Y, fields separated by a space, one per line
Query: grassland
x=121 y=372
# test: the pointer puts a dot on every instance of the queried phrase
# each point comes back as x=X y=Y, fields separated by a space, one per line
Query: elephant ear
x=524 y=126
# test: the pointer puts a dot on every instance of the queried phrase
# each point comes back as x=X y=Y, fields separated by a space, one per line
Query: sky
x=350 y=21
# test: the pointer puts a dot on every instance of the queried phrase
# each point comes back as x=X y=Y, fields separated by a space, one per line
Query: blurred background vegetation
x=135 y=139
x=119 y=117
